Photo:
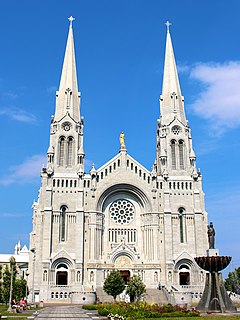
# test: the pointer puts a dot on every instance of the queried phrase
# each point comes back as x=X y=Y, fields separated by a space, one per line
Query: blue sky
x=119 y=51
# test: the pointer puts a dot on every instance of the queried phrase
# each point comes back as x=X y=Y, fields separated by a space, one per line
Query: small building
x=21 y=256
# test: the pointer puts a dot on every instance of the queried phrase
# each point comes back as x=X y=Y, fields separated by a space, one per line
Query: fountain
x=215 y=297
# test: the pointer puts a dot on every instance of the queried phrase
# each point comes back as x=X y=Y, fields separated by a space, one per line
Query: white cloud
x=25 y=172
x=18 y=115
x=219 y=100
x=183 y=68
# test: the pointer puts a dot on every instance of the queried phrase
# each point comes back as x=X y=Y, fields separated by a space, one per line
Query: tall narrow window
x=181 y=211
x=181 y=154
x=70 y=152
x=61 y=151
x=181 y=228
x=63 y=222
x=173 y=152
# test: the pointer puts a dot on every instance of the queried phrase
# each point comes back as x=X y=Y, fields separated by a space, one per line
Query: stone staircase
x=151 y=296
x=102 y=296
x=155 y=296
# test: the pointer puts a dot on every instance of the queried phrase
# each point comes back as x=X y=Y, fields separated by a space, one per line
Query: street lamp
x=33 y=250
x=26 y=274
x=12 y=261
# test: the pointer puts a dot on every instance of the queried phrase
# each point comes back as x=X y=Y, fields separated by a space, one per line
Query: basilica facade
x=120 y=216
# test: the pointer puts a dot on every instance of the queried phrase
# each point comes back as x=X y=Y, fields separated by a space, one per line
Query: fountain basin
x=214 y=263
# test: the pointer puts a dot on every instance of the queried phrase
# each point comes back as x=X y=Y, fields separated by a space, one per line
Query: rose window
x=176 y=130
x=122 y=211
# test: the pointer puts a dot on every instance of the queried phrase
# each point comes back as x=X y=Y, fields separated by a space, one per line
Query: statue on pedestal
x=211 y=235
x=122 y=139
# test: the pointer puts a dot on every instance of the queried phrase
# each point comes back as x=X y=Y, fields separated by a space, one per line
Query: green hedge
x=90 y=307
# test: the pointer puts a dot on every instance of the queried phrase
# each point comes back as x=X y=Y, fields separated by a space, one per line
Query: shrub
x=114 y=284
x=141 y=310
x=103 y=312
x=90 y=307
x=136 y=288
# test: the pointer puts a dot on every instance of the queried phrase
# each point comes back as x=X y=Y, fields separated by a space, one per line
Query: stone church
x=120 y=216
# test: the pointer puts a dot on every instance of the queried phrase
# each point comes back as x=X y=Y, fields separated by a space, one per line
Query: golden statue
x=122 y=139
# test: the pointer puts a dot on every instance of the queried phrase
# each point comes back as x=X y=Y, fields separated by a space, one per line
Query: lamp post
x=12 y=261
x=33 y=250
x=27 y=274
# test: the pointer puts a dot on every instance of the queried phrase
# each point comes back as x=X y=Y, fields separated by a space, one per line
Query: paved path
x=68 y=312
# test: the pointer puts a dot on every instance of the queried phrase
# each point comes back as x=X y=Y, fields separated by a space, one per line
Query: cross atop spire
x=71 y=19
x=168 y=24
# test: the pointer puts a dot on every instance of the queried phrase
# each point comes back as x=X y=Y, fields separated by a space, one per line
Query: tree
x=19 y=286
x=1 y=288
x=6 y=284
x=19 y=289
x=114 y=284
x=136 y=288
x=232 y=282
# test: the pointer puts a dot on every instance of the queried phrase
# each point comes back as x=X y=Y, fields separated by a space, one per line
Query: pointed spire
x=68 y=95
x=171 y=98
x=69 y=75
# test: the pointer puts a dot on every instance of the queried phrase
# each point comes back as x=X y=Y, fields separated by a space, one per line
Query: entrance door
x=62 y=278
x=184 y=278
x=125 y=275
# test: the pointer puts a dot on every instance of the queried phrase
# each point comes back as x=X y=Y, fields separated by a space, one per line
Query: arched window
x=61 y=151
x=70 y=151
x=181 y=154
x=173 y=154
x=181 y=211
x=63 y=223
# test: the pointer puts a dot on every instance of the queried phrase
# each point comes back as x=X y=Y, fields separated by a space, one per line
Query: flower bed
x=133 y=311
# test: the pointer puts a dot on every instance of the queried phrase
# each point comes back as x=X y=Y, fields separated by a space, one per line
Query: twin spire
x=68 y=97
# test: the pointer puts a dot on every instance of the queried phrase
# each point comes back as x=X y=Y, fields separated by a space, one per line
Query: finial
x=168 y=24
x=71 y=19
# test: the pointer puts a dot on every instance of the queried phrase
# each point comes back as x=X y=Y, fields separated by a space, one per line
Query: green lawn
x=19 y=316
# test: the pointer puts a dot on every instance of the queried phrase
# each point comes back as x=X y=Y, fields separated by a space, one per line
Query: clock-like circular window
x=66 y=126
x=122 y=211
x=176 y=130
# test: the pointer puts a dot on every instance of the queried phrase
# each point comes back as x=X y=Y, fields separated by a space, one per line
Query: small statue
x=211 y=235
x=122 y=139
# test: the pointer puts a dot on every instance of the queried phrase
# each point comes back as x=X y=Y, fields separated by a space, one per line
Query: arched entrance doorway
x=123 y=264
x=125 y=275
x=184 y=275
x=62 y=275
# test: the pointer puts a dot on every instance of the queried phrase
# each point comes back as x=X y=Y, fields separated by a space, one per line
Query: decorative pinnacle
x=168 y=24
x=71 y=19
